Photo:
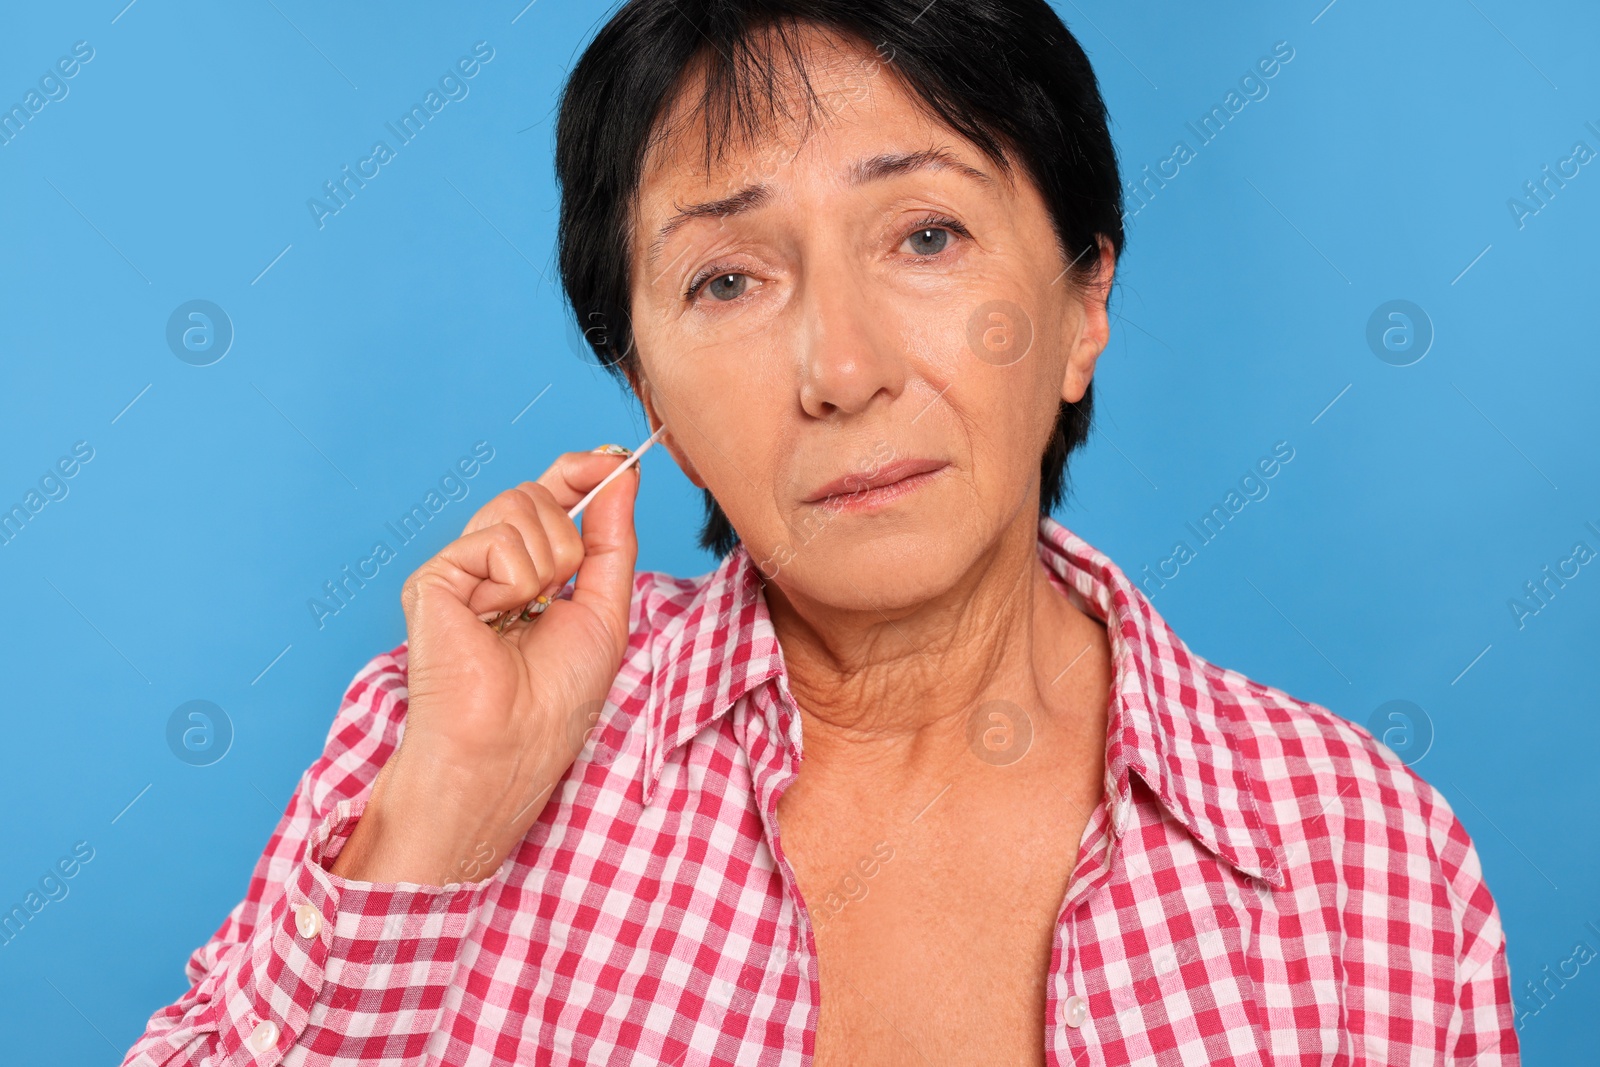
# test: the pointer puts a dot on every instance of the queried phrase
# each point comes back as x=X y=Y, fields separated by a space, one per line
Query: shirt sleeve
x=347 y=971
x=1482 y=1031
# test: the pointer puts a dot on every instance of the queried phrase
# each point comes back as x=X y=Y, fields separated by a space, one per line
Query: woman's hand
x=496 y=719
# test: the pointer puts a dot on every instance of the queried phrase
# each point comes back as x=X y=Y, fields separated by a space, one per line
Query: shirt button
x=1074 y=1011
x=308 y=920
x=264 y=1036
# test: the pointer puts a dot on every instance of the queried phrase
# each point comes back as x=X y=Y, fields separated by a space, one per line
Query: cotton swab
x=577 y=508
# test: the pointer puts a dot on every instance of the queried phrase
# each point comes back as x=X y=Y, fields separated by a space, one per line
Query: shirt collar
x=717 y=647
x=1171 y=720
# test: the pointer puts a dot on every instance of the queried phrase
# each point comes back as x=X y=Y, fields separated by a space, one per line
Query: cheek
x=932 y=335
x=995 y=425
x=727 y=417
x=999 y=408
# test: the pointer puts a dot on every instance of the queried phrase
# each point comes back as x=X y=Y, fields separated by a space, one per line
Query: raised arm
x=443 y=754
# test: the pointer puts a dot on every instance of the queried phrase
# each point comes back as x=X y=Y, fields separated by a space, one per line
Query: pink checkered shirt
x=1262 y=882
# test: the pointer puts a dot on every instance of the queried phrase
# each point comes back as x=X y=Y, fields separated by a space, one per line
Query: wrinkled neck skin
x=891 y=689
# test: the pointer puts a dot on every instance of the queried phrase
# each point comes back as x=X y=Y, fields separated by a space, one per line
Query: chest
x=934 y=935
x=674 y=934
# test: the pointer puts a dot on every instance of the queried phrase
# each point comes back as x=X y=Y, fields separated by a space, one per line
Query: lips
x=885 y=475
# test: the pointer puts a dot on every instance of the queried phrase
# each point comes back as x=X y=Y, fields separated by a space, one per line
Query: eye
x=727 y=286
x=932 y=235
x=929 y=242
x=722 y=287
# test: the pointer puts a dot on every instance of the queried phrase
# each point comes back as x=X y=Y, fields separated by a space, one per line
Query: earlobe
x=1094 y=331
x=1082 y=354
x=1091 y=341
x=1080 y=372
x=1085 y=354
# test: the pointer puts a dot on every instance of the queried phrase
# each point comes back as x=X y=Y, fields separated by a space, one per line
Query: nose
x=849 y=349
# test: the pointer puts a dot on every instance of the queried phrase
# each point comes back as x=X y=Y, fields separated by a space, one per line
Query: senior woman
x=915 y=775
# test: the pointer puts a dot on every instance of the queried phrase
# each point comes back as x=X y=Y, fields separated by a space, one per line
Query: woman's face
x=874 y=298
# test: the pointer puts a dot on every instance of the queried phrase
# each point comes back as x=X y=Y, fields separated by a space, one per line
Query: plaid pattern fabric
x=1262 y=882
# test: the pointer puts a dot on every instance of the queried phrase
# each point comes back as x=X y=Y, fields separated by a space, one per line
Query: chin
x=881 y=565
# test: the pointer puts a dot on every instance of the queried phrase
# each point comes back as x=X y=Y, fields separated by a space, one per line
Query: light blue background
x=375 y=351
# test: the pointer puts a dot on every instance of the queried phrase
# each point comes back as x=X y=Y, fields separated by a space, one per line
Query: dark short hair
x=1005 y=74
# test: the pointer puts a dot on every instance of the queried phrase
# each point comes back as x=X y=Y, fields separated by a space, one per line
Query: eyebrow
x=888 y=166
x=862 y=172
x=746 y=199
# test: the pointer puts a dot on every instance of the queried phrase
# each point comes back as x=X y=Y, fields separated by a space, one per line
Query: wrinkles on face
x=817 y=308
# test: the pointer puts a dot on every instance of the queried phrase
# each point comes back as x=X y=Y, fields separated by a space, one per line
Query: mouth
x=890 y=482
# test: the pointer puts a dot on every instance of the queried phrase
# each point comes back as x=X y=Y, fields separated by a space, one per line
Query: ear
x=648 y=399
x=1094 y=326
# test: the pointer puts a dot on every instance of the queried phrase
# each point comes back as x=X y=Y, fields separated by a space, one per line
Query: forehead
x=740 y=120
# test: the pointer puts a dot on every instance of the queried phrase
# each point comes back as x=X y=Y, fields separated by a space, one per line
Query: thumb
x=604 y=581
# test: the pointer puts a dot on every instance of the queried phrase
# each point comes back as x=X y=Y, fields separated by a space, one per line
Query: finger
x=561 y=536
x=501 y=507
x=573 y=474
x=550 y=537
x=610 y=549
x=486 y=571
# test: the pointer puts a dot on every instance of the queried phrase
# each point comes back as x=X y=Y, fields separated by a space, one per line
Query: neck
x=895 y=687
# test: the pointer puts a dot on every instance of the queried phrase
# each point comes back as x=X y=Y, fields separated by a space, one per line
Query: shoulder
x=1343 y=802
x=1296 y=746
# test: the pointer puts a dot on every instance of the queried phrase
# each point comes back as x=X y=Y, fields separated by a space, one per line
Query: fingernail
x=614 y=450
